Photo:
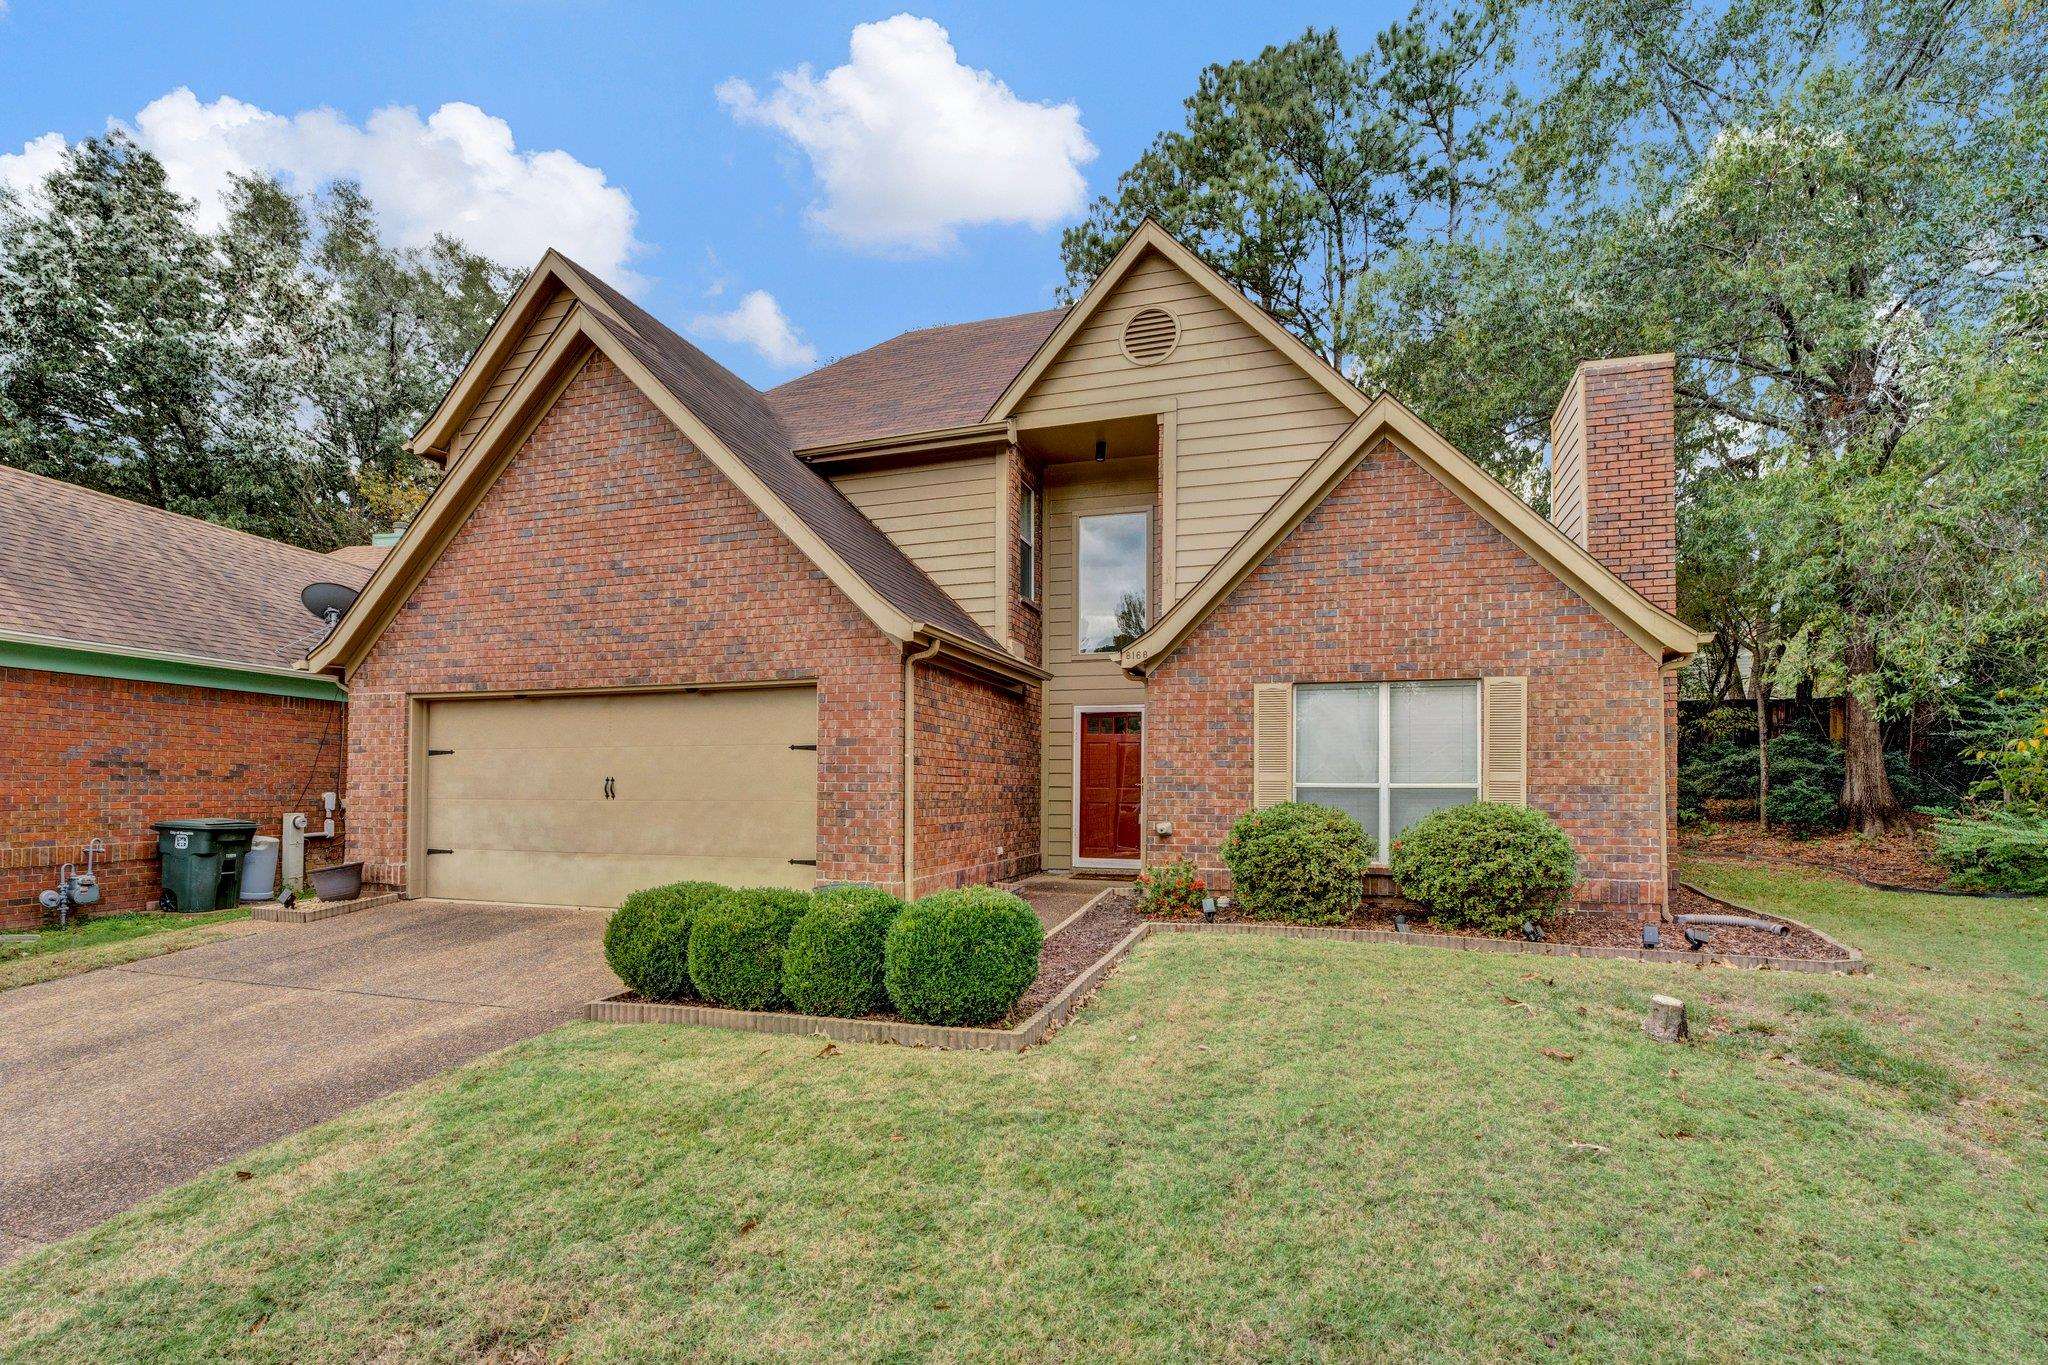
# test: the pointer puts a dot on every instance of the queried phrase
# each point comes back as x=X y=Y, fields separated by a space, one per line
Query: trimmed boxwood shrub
x=961 y=957
x=736 y=946
x=833 y=961
x=1486 y=866
x=1298 y=862
x=647 y=939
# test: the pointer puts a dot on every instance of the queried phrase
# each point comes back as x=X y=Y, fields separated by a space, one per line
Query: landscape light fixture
x=1650 y=938
x=1208 y=909
x=1400 y=924
x=1694 y=939
x=1531 y=932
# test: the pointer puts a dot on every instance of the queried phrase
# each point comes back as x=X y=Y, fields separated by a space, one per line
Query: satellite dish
x=328 y=600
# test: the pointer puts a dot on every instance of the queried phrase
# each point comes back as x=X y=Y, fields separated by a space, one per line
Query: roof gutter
x=95 y=659
x=910 y=443
x=997 y=661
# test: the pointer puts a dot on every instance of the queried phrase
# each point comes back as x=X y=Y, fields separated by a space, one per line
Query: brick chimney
x=1614 y=471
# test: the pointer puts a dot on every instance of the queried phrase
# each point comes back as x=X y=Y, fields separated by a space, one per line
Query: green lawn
x=1243 y=1149
x=106 y=941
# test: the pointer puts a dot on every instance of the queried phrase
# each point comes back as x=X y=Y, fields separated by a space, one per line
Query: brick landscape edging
x=1854 y=965
x=622 y=1009
x=273 y=913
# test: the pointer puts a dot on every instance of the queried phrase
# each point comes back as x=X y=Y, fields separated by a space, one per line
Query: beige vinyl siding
x=1071 y=491
x=942 y=514
x=1247 y=420
x=1568 y=465
x=538 y=333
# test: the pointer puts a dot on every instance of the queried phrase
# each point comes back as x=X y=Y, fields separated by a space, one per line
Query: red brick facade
x=84 y=758
x=611 y=553
x=1614 y=479
x=1394 y=577
x=977 y=781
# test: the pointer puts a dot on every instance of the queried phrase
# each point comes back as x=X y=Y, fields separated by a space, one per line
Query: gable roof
x=1149 y=236
x=725 y=418
x=89 y=568
x=926 y=380
x=1655 y=630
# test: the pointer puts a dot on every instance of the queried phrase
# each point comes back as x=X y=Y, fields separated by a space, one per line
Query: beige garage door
x=581 y=800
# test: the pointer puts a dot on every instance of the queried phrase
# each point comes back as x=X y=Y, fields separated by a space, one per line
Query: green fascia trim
x=93 y=663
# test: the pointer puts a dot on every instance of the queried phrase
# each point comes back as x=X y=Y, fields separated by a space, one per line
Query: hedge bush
x=736 y=946
x=833 y=961
x=961 y=957
x=1298 y=862
x=1486 y=866
x=2003 y=851
x=647 y=940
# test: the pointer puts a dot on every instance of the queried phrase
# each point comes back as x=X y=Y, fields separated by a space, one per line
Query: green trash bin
x=202 y=862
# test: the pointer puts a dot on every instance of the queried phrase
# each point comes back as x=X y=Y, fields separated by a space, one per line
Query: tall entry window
x=1113 y=594
x=1389 y=753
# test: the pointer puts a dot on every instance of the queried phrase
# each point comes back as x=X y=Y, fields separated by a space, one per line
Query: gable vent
x=1150 y=336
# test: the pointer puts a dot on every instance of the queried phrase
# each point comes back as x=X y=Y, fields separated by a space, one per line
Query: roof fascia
x=581 y=334
x=1652 y=629
x=1150 y=236
x=95 y=659
x=936 y=441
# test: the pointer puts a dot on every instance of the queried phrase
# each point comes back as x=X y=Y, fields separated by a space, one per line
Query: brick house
x=147 y=672
x=1069 y=589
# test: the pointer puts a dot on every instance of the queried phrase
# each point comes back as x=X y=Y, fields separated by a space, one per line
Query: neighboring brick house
x=147 y=673
x=1073 y=589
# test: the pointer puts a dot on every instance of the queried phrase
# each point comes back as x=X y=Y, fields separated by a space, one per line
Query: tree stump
x=1666 y=1020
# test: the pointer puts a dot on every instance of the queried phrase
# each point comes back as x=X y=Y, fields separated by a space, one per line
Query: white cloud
x=22 y=173
x=759 y=322
x=909 y=145
x=458 y=171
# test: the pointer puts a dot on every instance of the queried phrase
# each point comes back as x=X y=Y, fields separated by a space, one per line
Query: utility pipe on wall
x=910 y=663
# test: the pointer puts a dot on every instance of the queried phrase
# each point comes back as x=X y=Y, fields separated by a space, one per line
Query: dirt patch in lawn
x=1905 y=859
x=1588 y=928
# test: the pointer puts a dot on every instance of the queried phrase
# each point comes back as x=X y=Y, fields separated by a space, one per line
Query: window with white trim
x=1027 y=544
x=1389 y=753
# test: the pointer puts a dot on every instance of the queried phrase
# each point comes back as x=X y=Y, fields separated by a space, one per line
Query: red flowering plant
x=1171 y=889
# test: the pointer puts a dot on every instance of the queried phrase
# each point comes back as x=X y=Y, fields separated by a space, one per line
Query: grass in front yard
x=106 y=941
x=1244 y=1148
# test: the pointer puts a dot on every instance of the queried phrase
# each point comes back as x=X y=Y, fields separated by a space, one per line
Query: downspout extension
x=910 y=663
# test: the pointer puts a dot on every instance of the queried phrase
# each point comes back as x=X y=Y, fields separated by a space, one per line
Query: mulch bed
x=1071 y=951
x=1903 y=859
x=1593 y=928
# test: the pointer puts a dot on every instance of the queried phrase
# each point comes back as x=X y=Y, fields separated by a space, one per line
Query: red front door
x=1111 y=782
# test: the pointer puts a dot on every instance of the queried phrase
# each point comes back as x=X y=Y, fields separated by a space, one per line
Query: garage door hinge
x=812 y=747
x=436 y=753
x=440 y=850
x=803 y=862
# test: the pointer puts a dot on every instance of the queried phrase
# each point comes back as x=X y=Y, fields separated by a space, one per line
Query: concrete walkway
x=122 y=1082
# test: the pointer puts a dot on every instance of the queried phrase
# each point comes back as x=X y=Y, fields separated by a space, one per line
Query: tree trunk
x=1763 y=744
x=1866 y=791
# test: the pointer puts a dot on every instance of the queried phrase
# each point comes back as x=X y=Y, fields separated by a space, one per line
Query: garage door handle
x=803 y=862
x=436 y=753
x=440 y=850
x=812 y=747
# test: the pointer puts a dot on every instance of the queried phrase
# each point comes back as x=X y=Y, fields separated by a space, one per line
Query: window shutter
x=1504 y=745
x=1272 y=744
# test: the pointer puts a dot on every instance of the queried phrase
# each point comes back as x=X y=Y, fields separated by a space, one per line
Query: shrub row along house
x=1070 y=589
x=148 y=672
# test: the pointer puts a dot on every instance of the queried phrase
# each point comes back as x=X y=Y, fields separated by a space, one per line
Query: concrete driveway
x=124 y=1081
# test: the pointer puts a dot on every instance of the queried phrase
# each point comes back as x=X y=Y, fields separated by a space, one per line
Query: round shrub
x=1298 y=862
x=961 y=957
x=833 y=961
x=736 y=946
x=1486 y=866
x=647 y=939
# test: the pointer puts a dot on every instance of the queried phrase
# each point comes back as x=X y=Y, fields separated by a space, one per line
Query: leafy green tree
x=109 y=349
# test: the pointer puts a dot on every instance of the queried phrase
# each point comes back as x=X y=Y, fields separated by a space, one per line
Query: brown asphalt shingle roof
x=925 y=380
x=365 y=557
x=744 y=422
x=87 y=566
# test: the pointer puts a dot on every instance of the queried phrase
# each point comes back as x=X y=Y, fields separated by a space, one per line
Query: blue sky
x=782 y=218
